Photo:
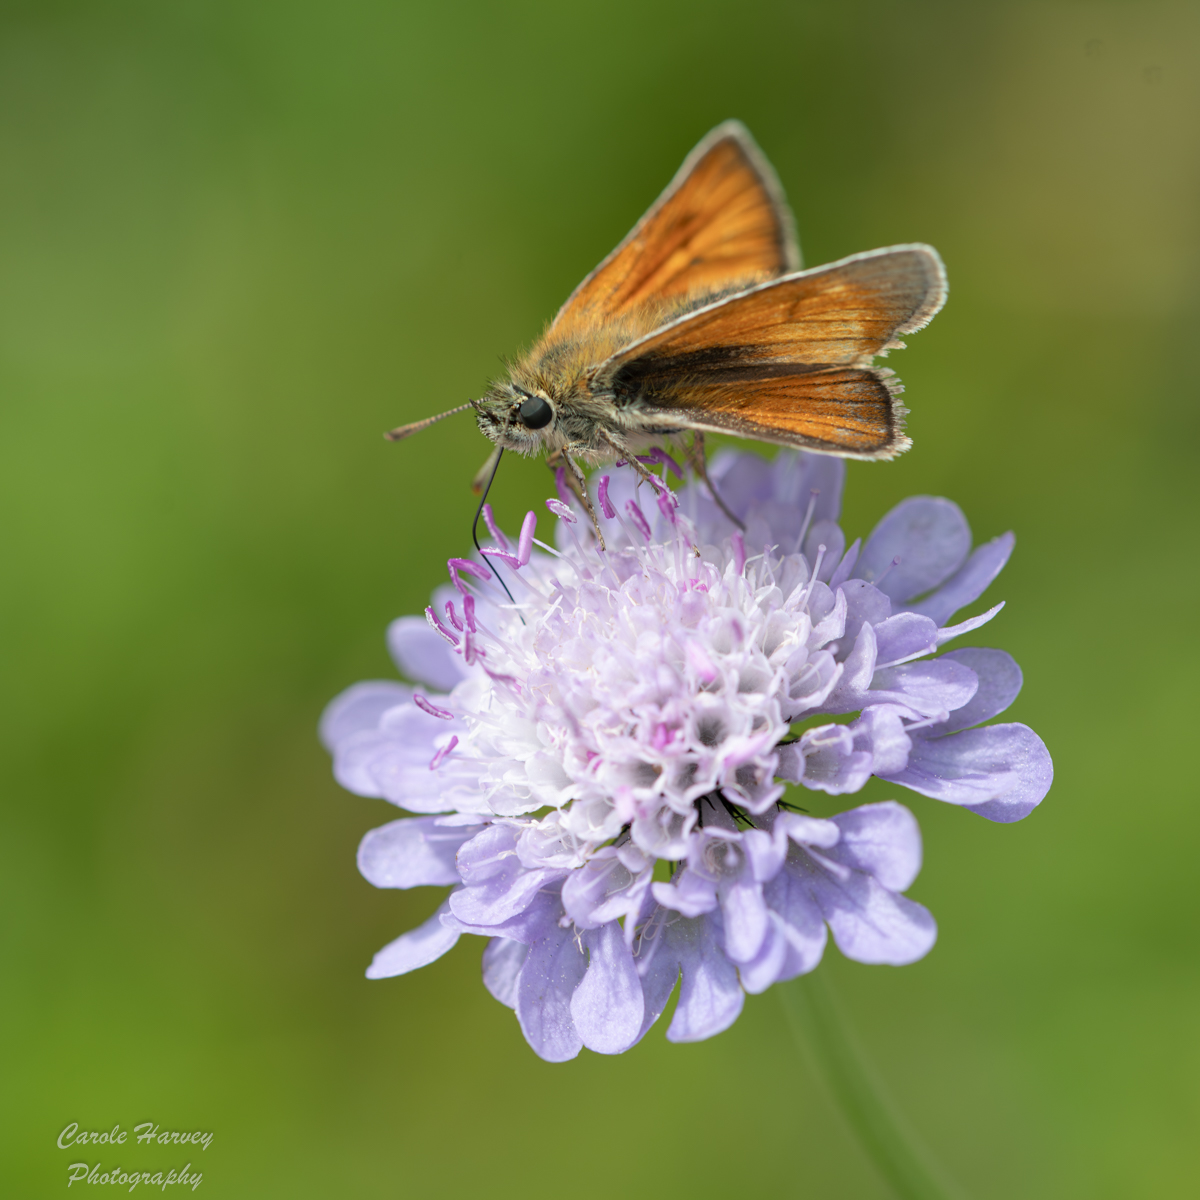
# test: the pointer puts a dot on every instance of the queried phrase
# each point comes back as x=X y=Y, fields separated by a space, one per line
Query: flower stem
x=818 y=1025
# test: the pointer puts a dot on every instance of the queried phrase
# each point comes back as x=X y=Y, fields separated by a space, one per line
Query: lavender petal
x=930 y=537
x=1001 y=772
x=969 y=582
x=552 y=971
x=411 y=852
x=359 y=708
x=999 y=684
x=710 y=998
x=607 y=1007
x=416 y=948
x=883 y=840
x=423 y=655
x=502 y=963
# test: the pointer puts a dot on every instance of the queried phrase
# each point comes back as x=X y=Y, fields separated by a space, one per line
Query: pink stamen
x=606 y=506
x=452 y=616
x=432 y=618
x=467 y=567
x=509 y=681
x=493 y=528
x=471 y=650
x=638 y=518
x=427 y=706
x=444 y=753
x=659 y=455
x=503 y=555
x=469 y=612
x=561 y=510
x=560 y=482
x=525 y=544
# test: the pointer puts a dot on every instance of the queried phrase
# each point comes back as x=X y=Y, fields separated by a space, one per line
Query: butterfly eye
x=535 y=412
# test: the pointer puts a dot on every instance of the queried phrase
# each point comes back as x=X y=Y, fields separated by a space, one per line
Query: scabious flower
x=602 y=764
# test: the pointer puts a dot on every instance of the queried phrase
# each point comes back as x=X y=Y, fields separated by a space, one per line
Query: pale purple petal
x=1001 y=772
x=740 y=479
x=808 y=831
x=949 y=632
x=607 y=1006
x=401 y=774
x=552 y=971
x=881 y=730
x=688 y=893
x=865 y=605
x=797 y=479
x=710 y=997
x=969 y=582
x=798 y=920
x=657 y=963
x=534 y=923
x=417 y=948
x=930 y=688
x=851 y=690
x=359 y=708
x=502 y=962
x=870 y=923
x=882 y=840
x=766 y=967
x=352 y=760
x=423 y=655
x=501 y=897
x=411 y=852
x=931 y=538
x=999 y=683
x=830 y=761
x=497 y=886
x=745 y=919
x=904 y=636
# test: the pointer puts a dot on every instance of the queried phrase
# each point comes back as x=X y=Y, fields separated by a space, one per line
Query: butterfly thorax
x=563 y=370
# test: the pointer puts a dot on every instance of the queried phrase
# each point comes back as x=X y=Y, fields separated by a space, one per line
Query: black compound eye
x=535 y=413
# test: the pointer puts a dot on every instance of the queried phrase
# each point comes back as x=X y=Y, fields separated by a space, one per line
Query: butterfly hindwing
x=789 y=360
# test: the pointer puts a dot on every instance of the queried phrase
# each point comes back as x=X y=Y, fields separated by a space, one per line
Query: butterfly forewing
x=789 y=361
x=721 y=223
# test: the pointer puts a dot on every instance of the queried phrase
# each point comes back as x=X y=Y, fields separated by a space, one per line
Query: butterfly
x=702 y=321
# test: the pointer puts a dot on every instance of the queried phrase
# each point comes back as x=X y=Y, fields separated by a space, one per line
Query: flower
x=602 y=761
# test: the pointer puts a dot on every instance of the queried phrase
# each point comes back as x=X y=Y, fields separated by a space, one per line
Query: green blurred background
x=237 y=241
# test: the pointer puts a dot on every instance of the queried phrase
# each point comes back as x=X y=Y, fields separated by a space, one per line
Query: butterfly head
x=516 y=419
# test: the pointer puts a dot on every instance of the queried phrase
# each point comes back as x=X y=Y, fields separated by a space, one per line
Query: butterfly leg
x=696 y=460
x=631 y=459
x=575 y=479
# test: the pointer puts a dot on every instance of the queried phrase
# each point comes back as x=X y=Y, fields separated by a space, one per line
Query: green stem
x=817 y=1023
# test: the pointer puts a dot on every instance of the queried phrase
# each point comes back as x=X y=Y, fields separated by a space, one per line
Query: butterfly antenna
x=475 y=530
x=401 y=432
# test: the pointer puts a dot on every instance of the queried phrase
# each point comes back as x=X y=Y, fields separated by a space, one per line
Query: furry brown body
x=593 y=421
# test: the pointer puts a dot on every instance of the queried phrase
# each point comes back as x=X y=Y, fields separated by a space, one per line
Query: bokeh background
x=237 y=241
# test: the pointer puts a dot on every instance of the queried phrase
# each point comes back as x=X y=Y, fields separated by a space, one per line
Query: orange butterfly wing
x=788 y=361
x=722 y=222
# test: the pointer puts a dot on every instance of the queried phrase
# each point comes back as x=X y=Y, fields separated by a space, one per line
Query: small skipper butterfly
x=701 y=321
